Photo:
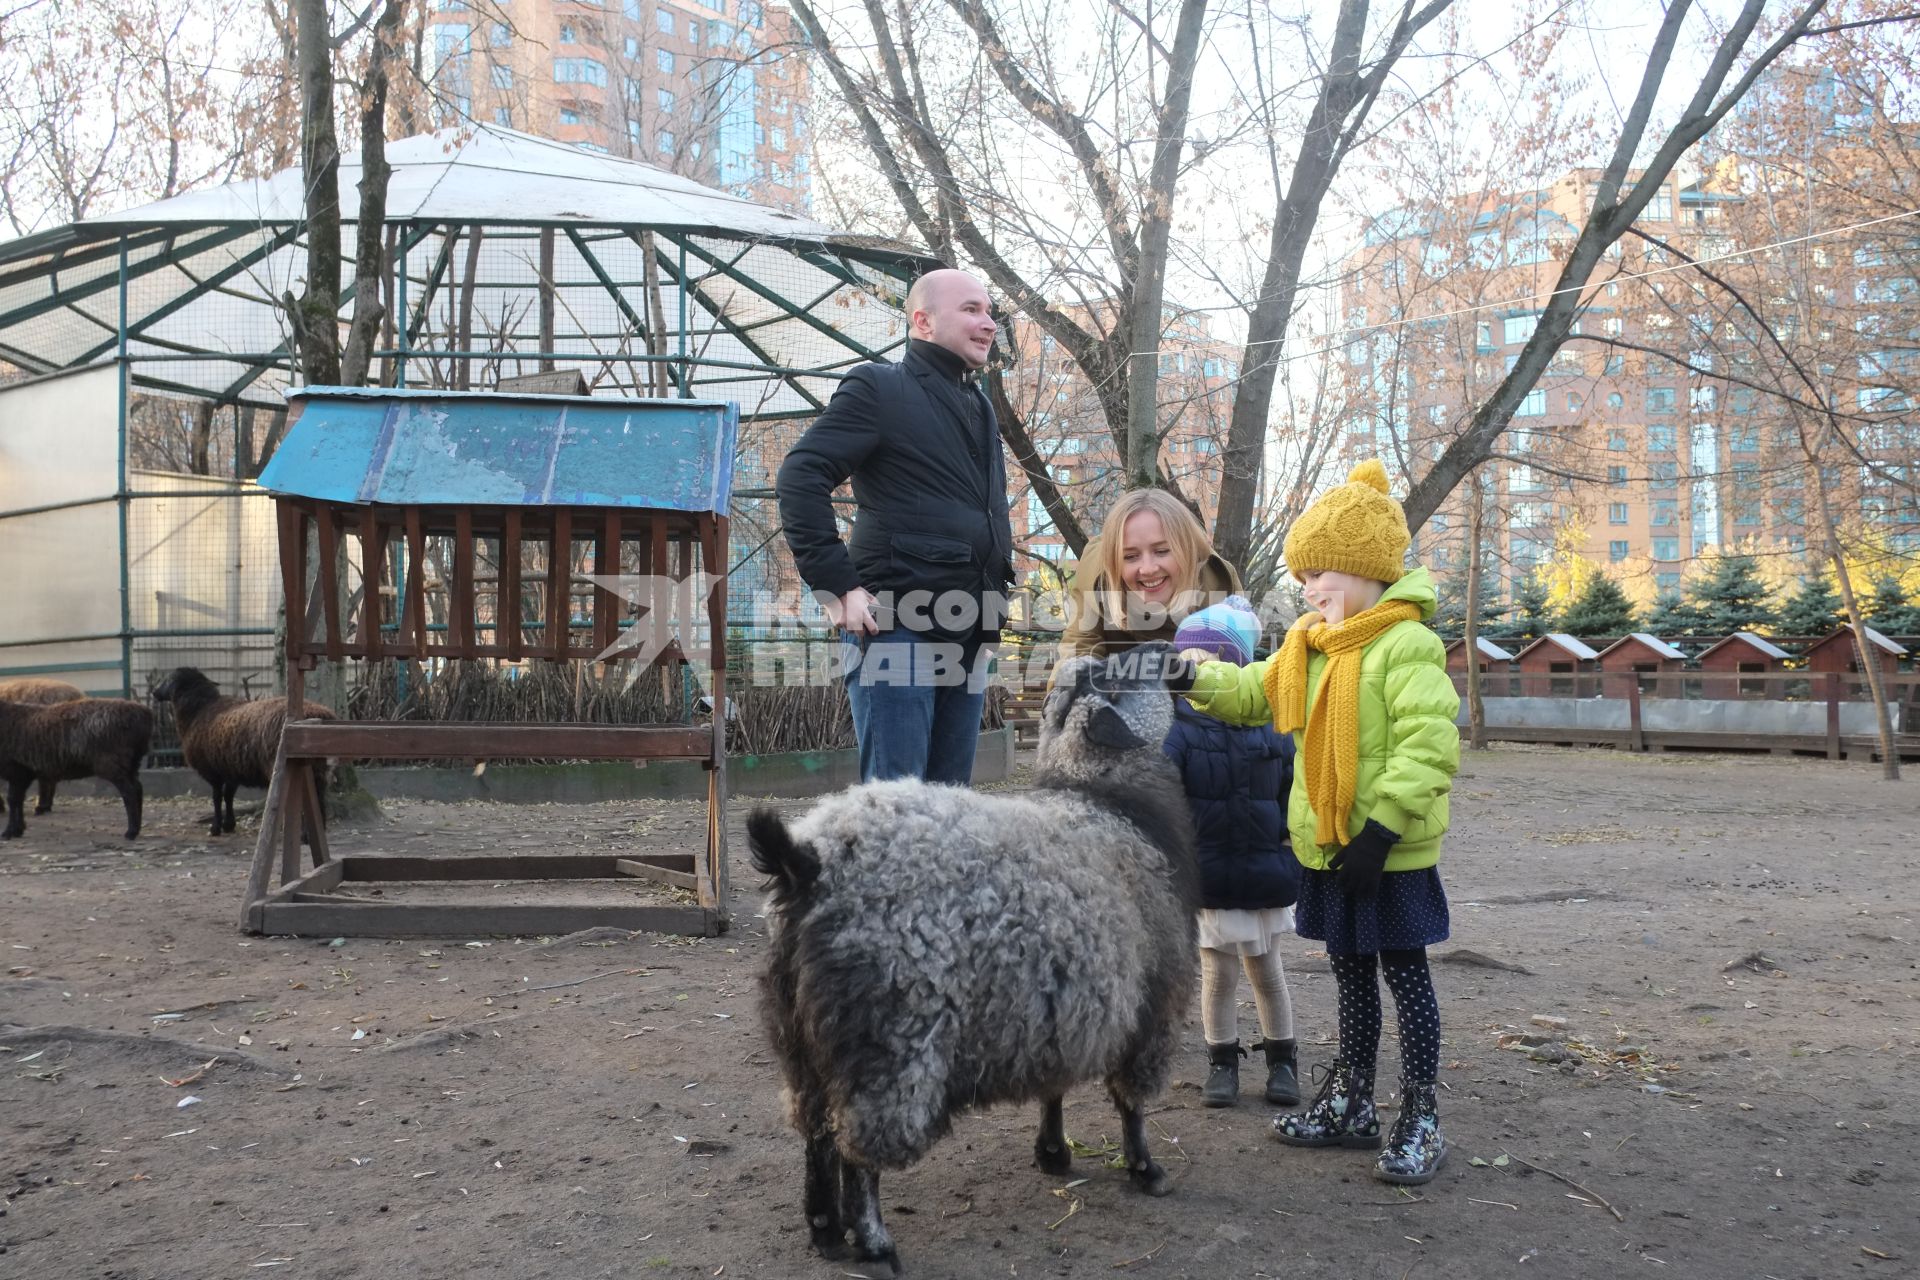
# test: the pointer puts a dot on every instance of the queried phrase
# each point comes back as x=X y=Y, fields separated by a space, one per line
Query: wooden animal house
x=1742 y=654
x=494 y=500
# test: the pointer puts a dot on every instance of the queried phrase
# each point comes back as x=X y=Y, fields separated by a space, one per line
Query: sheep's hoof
x=831 y=1243
x=1052 y=1160
x=1153 y=1180
x=888 y=1255
x=41 y=810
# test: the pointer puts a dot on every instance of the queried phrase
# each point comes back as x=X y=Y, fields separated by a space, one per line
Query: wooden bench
x=1021 y=712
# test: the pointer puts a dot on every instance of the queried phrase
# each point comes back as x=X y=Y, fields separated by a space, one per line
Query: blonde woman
x=1151 y=566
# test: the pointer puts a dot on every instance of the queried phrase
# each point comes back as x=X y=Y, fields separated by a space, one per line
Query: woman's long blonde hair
x=1184 y=534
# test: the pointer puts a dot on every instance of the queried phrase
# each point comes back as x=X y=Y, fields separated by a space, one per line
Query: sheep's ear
x=1106 y=728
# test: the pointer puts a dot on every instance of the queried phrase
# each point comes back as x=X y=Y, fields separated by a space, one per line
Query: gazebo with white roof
x=144 y=357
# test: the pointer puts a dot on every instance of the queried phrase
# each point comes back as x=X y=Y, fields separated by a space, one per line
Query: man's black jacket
x=920 y=443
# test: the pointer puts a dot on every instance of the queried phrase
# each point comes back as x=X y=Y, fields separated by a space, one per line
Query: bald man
x=919 y=590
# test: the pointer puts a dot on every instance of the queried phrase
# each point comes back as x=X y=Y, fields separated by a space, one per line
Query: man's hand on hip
x=853 y=612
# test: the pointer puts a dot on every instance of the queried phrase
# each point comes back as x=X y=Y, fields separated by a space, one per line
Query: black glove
x=1362 y=862
x=1180 y=674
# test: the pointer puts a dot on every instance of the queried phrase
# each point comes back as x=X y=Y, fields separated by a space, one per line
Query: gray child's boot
x=1222 y=1088
x=1283 y=1074
x=1415 y=1149
x=1340 y=1115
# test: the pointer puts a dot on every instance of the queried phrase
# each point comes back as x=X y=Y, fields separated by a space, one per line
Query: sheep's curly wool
x=39 y=691
x=230 y=742
x=963 y=950
x=935 y=949
x=103 y=738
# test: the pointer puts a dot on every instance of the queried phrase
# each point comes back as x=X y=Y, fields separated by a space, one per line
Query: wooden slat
x=347 y=739
x=1833 y=715
x=717 y=606
x=648 y=871
x=260 y=874
x=314 y=829
x=373 y=548
x=414 y=606
x=293 y=586
x=460 y=640
x=292 y=817
x=606 y=603
x=466 y=920
x=329 y=520
x=322 y=879
x=507 y=603
x=384 y=868
x=559 y=572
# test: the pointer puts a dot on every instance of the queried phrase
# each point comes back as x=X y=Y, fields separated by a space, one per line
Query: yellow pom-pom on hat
x=1354 y=528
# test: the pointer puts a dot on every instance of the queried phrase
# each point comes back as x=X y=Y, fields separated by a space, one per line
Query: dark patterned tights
x=1414 y=1005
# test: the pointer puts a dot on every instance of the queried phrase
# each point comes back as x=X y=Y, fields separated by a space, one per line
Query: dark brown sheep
x=231 y=742
x=38 y=691
x=103 y=738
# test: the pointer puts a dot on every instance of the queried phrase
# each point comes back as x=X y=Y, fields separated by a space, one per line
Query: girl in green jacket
x=1363 y=686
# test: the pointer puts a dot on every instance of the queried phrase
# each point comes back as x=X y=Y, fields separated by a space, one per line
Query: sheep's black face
x=1100 y=706
x=182 y=680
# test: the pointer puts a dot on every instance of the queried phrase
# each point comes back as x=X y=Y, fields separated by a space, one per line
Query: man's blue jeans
x=916 y=706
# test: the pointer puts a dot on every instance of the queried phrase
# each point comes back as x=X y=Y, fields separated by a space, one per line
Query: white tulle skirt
x=1245 y=933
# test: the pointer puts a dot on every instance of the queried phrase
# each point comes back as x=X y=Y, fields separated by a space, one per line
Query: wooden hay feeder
x=362 y=481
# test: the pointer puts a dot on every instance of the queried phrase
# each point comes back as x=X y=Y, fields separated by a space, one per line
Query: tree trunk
x=370 y=231
x=1150 y=283
x=316 y=320
x=198 y=461
x=1476 y=706
x=1869 y=655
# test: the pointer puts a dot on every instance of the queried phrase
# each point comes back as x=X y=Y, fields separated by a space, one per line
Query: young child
x=1363 y=686
x=1237 y=780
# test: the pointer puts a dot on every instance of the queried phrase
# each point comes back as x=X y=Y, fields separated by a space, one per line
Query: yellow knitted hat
x=1354 y=528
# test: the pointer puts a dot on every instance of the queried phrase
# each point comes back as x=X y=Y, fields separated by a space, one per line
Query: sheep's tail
x=792 y=868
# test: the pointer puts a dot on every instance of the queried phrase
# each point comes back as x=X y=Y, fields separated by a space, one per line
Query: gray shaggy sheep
x=38 y=691
x=934 y=948
x=230 y=742
x=103 y=738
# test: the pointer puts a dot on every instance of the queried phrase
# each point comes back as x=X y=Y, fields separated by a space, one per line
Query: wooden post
x=415 y=608
x=559 y=584
x=373 y=552
x=327 y=516
x=260 y=874
x=506 y=608
x=460 y=614
x=1636 y=734
x=1833 y=715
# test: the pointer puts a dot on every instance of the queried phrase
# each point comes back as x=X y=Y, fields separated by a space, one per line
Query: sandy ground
x=1731 y=941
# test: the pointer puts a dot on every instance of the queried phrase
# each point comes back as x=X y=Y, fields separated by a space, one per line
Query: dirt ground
x=1730 y=940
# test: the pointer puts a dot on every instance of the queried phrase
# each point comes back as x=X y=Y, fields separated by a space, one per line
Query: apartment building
x=715 y=91
x=1676 y=421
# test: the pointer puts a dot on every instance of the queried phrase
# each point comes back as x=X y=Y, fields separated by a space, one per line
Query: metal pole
x=686 y=375
x=120 y=490
x=402 y=324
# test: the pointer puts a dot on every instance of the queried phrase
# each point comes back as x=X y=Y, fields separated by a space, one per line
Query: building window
x=1743 y=437
x=1663 y=473
x=1519 y=328
x=567 y=34
x=663 y=98
x=631 y=46
x=1612 y=326
x=1573 y=401
x=569 y=116
x=663 y=58
x=1617 y=550
x=503 y=117
x=1666 y=513
x=1616 y=513
x=1701 y=400
x=1659 y=399
x=1666 y=548
x=633 y=10
x=1615 y=366
x=663 y=19
x=778 y=137
x=1483 y=335
x=503 y=78
x=1617 y=441
x=1660 y=437
x=502 y=35
x=1666 y=581
x=579 y=71
x=1533 y=405
x=664 y=142
x=1660 y=208
x=1616 y=475
x=1614 y=401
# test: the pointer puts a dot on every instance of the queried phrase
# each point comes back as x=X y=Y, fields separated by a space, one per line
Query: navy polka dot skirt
x=1410 y=910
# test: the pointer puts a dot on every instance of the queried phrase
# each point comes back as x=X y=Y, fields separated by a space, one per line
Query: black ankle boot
x=1223 y=1081
x=1283 y=1074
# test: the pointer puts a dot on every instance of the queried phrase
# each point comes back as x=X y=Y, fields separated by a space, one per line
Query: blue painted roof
x=437 y=448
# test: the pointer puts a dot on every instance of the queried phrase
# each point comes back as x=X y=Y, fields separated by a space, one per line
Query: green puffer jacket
x=1409 y=742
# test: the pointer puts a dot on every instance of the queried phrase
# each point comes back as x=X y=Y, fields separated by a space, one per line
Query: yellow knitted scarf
x=1330 y=752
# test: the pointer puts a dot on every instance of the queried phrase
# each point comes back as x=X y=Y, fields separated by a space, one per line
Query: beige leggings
x=1219 y=983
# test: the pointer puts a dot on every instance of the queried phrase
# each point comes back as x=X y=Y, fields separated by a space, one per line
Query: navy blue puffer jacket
x=1237 y=781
